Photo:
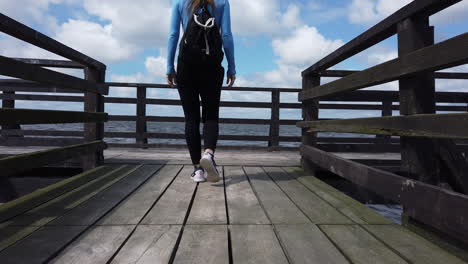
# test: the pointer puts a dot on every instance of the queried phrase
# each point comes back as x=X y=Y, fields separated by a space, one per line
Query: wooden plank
x=36 y=97
x=29 y=201
x=380 y=31
x=36 y=141
x=141 y=127
x=95 y=246
x=307 y=244
x=421 y=125
x=417 y=96
x=437 y=75
x=411 y=246
x=20 y=31
x=209 y=206
x=275 y=117
x=132 y=210
x=316 y=209
x=173 y=205
x=440 y=56
x=277 y=205
x=440 y=208
x=44 y=214
x=149 y=244
x=12 y=68
x=353 y=209
x=359 y=246
x=91 y=211
x=23 y=162
x=310 y=112
x=197 y=240
x=64 y=64
x=40 y=245
x=242 y=204
x=256 y=244
x=32 y=117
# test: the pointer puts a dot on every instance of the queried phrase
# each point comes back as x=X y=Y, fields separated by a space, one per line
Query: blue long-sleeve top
x=181 y=13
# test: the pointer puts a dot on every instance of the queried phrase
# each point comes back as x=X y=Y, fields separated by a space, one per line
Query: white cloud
x=96 y=41
x=156 y=66
x=143 y=22
x=453 y=14
x=292 y=17
x=367 y=12
x=255 y=17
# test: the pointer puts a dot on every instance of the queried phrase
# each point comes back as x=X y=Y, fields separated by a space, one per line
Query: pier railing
x=383 y=102
x=433 y=191
x=33 y=71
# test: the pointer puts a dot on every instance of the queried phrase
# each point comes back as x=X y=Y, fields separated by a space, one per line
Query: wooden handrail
x=381 y=31
x=25 y=33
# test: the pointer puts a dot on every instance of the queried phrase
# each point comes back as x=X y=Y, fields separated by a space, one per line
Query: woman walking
x=207 y=28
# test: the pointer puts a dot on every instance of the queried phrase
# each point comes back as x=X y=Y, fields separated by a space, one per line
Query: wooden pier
x=152 y=213
x=135 y=202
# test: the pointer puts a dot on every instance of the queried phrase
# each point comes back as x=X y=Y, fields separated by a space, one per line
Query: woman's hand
x=231 y=79
x=171 y=80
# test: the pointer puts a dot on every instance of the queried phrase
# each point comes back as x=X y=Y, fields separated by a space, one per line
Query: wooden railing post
x=141 y=126
x=386 y=111
x=275 y=119
x=93 y=102
x=310 y=112
x=10 y=103
x=417 y=96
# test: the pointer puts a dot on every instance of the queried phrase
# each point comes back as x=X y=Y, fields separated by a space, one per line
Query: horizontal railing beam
x=24 y=162
x=10 y=116
x=29 y=35
x=421 y=125
x=381 y=31
x=437 y=75
x=429 y=204
x=52 y=63
x=17 y=69
x=450 y=53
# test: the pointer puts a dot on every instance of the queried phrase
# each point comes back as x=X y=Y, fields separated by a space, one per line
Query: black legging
x=195 y=82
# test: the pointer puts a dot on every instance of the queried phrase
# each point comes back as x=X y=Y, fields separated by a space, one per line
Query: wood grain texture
x=173 y=206
x=318 y=211
x=307 y=244
x=40 y=245
x=92 y=210
x=277 y=205
x=353 y=209
x=40 y=196
x=413 y=247
x=243 y=205
x=209 y=206
x=149 y=244
x=254 y=244
x=132 y=210
x=96 y=246
x=203 y=244
x=359 y=246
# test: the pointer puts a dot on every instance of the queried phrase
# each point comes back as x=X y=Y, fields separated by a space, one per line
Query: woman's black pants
x=197 y=82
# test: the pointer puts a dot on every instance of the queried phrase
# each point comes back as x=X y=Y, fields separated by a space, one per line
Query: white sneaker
x=209 y=165
x=198 y=176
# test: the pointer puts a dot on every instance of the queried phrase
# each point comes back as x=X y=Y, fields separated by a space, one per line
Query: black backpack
x=201 y=43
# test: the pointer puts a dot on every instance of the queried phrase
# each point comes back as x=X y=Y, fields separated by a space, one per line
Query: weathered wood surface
x=421 y=125
x=440 y=56
x=17 y=69
x=428 y=204
x=107 y=220
x=31 y=117
x=52 y=63
x=256 y=244
x=23 y=162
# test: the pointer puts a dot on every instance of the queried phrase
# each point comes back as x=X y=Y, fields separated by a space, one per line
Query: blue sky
x=274 y=39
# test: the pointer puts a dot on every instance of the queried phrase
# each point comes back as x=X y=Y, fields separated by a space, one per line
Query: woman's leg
x=210 y=93
x=189 y=95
